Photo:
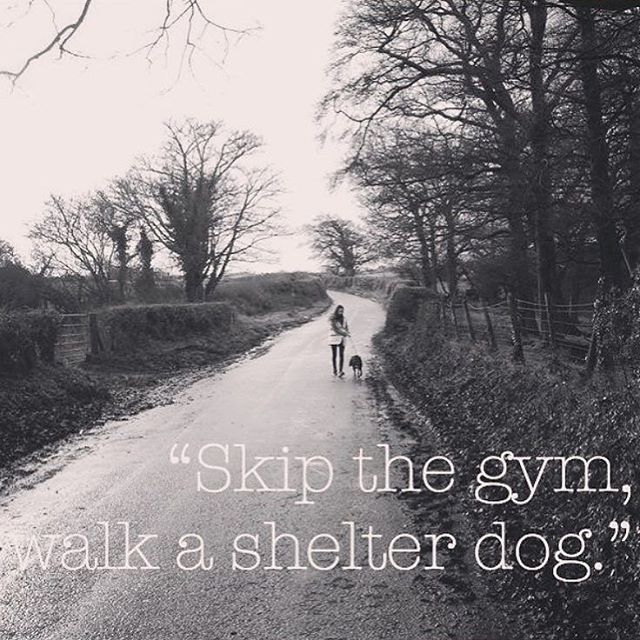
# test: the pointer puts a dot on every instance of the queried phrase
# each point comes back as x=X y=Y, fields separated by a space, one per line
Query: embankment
x=478 y=405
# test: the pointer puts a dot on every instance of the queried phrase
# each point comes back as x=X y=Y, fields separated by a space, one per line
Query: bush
x=21 y=289
x=26 y=338
x=381 y=284
x=43 y=327
x=617 y=328
x=171 y=336
x=482 y=405
x=131 y=328
x=253 y=295
x=404 y=305
x=41 y=408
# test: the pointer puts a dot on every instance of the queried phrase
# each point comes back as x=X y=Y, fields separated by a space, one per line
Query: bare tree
x=77 y=236
x=189 y=20
x=340 y=243
x=120 y=225
x=447 y=64
x=547 y=89
x=206 y=199
x=7 y=253
x=423 y=201
x=592 y=52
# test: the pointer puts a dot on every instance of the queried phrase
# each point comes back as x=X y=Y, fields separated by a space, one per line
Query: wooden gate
x=73 y=342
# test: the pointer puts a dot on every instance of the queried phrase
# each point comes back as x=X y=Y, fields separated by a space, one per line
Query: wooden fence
x=524 y=328
x=73 y=343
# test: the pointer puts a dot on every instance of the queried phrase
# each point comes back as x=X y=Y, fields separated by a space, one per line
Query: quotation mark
x=183 y=458
x=621 y=530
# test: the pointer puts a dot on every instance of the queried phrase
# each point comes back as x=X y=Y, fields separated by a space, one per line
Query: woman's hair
x=335 y=315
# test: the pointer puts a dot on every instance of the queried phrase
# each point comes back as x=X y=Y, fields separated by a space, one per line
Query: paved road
x=123 y=473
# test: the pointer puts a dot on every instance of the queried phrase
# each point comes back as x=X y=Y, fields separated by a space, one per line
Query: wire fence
x=522 y=327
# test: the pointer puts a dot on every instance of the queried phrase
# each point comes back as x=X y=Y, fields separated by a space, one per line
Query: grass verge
x=480 y=405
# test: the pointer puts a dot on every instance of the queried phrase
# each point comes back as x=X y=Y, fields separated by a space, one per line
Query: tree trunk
x=452 y=256
x=520 y=283
x=433 y=255
x=123 y=276
x=542 y=181
x=194 y=286
x=603 y=215
x=425 y=258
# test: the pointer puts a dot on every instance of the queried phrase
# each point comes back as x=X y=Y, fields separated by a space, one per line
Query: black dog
x=356 y=364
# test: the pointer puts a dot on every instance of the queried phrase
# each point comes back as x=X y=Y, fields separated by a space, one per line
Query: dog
x=356 y=364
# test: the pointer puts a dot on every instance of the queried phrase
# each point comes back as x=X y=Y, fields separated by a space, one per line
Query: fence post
x=572 y=315
x=491 y=336
x=591 y=359
x=438 y=312
x=456 y=326
x=518 y=352
x=592 y=354
x=445 y=324
x=552 y=330
x=472 y=333
x=97 y=346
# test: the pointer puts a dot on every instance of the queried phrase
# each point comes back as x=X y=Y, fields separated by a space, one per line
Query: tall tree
x=77 y=235
x=340 y=244
x=524 y=83
x=447 y=63
x=540 y=136
x=416 y=189
x=206 y=199
x=603 y=210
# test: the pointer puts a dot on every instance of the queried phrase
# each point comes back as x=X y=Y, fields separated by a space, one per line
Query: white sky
x=71 y=125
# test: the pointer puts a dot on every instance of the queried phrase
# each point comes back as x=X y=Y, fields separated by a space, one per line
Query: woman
x=337 y=338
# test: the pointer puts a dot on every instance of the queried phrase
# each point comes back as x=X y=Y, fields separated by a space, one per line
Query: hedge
x=479 y=404
x=383 y=284
x=253 y=295
x=131 y=328
x=26 y=339
x=404 y=305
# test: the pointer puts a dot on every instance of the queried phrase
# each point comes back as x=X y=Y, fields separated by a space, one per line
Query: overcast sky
x=71 y=125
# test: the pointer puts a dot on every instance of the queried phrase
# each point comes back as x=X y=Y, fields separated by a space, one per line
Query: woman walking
x=337 y=338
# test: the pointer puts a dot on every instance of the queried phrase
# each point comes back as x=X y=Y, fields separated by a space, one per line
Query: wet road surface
x=286 y=397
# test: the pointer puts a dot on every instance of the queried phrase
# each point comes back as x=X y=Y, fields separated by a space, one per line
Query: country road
x=285 y=397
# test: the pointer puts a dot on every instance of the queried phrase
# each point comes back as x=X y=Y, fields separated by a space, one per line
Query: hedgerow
x=381 y=285
x=131 y=328
x=481 y=404
x=26 y=339
x=253 y=295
